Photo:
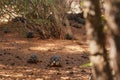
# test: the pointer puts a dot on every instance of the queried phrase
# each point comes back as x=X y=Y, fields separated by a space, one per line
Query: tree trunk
x=97 y=42
x=112 y=14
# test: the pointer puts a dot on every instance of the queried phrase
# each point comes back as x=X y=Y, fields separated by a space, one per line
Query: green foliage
x=102 y=17
x=105 y=29
x=37 y=12
x=104 y=23
x=87 y=65
x=33 y=9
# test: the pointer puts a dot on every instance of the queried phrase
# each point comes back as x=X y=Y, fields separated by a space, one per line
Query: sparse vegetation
x=71 y=39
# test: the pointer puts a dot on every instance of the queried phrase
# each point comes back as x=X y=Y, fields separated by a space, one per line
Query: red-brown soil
x=15 y=50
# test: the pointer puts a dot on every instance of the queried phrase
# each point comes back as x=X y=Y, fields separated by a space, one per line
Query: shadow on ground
x=14 y=52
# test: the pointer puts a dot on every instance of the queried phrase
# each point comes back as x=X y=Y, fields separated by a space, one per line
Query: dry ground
x=15 y=50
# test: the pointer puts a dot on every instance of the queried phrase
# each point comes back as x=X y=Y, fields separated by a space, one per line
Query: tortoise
x=33 y=59
x=55 y=61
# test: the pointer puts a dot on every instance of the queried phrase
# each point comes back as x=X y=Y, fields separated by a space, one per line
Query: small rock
x=3 y=67
x=69 y=67
x=40 y=61
x=5 y=31
x=30 y=73
x=67 y=62
x=29 y=49
x=71 y=58
x=68 y=57
x=18 y=57
x=1 y=54
x=7 y=53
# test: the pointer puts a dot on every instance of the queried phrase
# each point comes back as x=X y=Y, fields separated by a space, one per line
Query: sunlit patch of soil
x=14 y=52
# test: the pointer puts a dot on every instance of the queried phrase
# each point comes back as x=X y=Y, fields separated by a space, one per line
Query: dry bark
x=96 y=35
x=112 y=14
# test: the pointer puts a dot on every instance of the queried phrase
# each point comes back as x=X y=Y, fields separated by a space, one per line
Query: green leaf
x=87 y=65
x=102 y=17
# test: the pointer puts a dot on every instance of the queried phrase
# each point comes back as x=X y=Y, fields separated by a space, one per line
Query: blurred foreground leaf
x=87 y=65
